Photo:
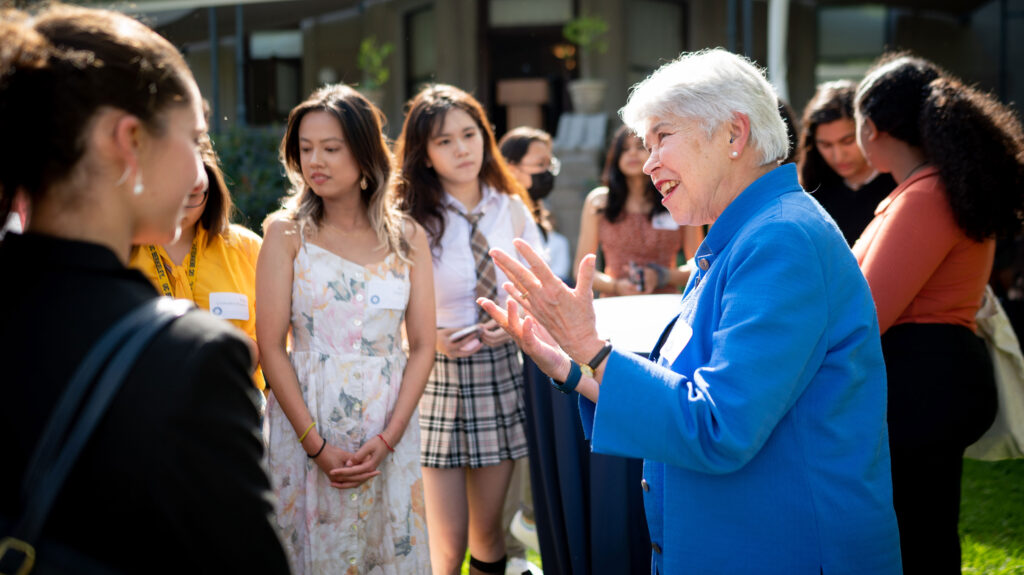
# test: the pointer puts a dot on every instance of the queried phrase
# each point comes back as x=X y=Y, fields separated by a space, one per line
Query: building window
x=519 y=13
x=274 y=75
x=421 y=49
x=850 y=38
x=655 y=35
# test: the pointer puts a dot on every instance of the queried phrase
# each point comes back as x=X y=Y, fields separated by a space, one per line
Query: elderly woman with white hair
x=761 y=413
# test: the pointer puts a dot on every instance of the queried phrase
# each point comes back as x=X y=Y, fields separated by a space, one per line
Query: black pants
x=941 y=399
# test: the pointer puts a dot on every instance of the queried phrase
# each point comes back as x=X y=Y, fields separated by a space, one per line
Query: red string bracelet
x=391 y=449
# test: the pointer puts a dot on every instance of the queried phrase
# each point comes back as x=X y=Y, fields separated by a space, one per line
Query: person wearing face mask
x=627 y=221
x=528 y=153
x=832 y=167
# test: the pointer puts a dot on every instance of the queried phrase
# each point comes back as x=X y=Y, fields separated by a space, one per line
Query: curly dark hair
x=975 y=141
x=615 y=180
x=832 y=101
x=419 y=189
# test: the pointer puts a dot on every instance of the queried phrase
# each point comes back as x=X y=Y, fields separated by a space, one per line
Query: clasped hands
x=347 y=470
x=557 y=324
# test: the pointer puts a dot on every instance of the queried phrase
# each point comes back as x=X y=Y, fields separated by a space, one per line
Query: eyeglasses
x=197 y=199
x=555 y=166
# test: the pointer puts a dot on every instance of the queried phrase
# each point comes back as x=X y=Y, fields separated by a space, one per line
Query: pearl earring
x=362 y=183
x=735 y=154
x=138 y=188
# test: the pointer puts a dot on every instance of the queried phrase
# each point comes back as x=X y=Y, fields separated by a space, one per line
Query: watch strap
x=592 y=365
x=571 y=381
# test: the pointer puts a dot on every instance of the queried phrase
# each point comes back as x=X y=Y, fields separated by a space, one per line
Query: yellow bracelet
x=305 y=433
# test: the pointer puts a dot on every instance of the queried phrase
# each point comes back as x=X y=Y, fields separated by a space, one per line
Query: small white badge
x=387 y=294
x=664 y=221
x=228 y=305
x=676 y=341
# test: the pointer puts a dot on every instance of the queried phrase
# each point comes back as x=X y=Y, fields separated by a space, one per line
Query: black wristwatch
x=591 y=366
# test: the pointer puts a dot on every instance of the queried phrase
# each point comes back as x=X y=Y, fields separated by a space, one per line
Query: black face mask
x=541 y=185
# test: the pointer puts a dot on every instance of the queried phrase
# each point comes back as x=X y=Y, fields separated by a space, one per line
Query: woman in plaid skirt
x=455 y=183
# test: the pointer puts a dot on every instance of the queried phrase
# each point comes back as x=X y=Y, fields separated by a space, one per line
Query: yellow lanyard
x=164 y=277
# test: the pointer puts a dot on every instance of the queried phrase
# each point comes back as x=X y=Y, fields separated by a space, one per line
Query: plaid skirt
x=471 y=412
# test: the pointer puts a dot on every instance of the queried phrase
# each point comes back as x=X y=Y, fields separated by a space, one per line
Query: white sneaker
x=525 y=532
x=520 y=566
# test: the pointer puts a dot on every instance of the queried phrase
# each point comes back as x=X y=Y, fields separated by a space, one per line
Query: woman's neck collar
x=346 y=214
x=637 y=186
x=469 y=194
x=860 y=180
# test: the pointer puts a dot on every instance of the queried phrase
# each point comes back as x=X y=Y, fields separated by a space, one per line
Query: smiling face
x=328 y=165
x=633 y=157
x=837 y=143
x=688 y=169
x=456 y=149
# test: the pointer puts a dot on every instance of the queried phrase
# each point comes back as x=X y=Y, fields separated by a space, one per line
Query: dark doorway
x=526 y=53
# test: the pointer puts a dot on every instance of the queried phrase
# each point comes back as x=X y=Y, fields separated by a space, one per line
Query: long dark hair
x=975 y=141
x=419 y=189
x=362 y=126
x=615 y=180
x=57 y=70
x=832 y=101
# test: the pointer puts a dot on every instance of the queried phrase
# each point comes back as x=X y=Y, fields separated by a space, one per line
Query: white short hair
x=710 y=86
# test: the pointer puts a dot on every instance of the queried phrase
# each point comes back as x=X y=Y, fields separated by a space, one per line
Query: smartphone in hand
x=464 y=333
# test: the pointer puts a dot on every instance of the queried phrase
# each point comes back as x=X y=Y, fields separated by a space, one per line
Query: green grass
x=992 y=517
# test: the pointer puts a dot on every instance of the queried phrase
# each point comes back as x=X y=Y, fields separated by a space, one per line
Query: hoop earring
x=138 y=188
x=363 y=184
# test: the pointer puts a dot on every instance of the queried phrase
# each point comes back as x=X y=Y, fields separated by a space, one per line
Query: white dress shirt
x=455 y=269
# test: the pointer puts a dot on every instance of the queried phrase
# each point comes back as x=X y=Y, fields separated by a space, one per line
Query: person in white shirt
x=457 y=186
x=528 y=153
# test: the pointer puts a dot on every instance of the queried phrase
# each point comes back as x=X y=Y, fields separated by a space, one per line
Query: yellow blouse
x=224 y=276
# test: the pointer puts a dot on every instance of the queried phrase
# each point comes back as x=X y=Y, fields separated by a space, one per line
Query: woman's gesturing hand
x=565 y=315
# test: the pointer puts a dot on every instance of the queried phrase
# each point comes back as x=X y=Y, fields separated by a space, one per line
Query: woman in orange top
x=212 y=262
x=956 y=155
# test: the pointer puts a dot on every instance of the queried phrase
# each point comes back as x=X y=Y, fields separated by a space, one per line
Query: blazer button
x=703 y=264
x=656 y=548
x=645 y=485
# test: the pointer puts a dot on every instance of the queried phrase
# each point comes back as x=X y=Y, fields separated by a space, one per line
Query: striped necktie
x=486 y=280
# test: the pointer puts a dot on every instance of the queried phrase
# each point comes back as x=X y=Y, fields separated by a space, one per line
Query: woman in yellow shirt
x=212 y=262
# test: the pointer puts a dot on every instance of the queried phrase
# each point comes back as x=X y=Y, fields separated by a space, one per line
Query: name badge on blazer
x=664 y=221
x=228 y=305
x=387 y=294
x=676 y=341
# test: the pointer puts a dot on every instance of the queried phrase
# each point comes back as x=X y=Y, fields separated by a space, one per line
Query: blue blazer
x=764 y=429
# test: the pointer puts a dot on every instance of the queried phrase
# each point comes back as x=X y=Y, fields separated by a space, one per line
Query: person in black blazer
x=102 y=122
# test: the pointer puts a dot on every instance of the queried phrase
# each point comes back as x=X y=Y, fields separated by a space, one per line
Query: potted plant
x=587 y=33
x=371 y=62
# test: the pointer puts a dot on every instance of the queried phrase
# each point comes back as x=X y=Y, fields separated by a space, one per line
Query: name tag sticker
x=676 y=341
x=228 y=305
x=387 y=294
x=664 y=221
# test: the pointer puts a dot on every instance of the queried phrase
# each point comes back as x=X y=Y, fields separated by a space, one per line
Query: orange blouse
x=920 y=265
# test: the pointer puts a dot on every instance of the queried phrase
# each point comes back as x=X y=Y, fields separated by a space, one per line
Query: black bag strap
x=64 y=437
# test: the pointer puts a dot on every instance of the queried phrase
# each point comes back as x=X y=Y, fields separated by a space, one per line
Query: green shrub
x=248 y=157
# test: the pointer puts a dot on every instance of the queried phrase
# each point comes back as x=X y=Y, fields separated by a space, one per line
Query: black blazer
x=172 y=479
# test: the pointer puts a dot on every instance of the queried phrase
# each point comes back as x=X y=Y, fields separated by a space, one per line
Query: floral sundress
x=347 y=354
